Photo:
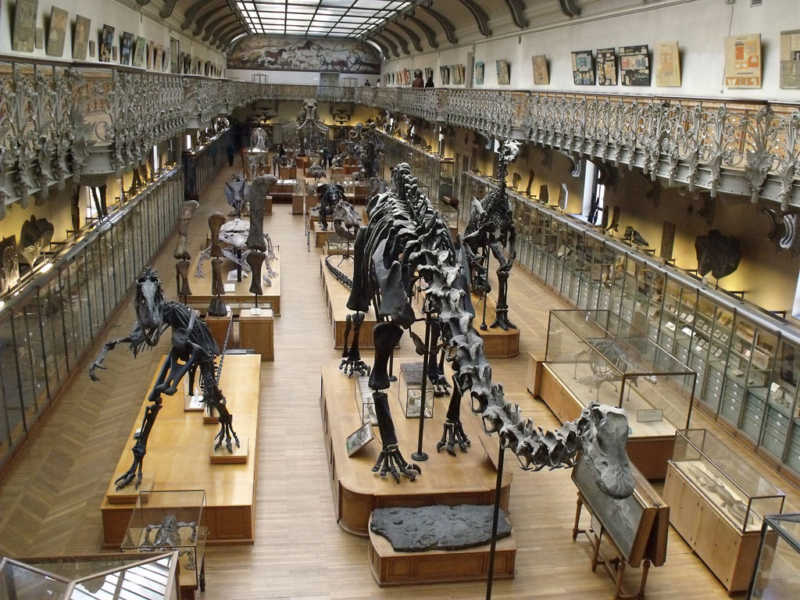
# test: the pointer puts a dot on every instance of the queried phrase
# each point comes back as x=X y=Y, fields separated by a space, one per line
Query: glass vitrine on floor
x=777 y=573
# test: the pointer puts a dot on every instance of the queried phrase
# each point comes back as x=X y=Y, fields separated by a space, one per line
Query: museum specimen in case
x=718 y=504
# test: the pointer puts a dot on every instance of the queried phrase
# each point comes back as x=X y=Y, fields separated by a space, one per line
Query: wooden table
x=256 y=331
x=178 y=457
x=468 y=478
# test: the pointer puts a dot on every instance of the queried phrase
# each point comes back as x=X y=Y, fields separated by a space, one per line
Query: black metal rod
x=495 y=519
x=485 y=291
x=419 y=455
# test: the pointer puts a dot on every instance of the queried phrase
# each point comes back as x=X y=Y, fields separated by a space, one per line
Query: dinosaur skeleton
x=167 y=534
x=192 y=348
x=491 y=228
x=407 y=241
x=233 y=237
x=332 y=203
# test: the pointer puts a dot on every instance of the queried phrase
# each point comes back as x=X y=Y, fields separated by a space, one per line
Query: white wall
x=104 y=12
x=699 y=26
x=297 y=77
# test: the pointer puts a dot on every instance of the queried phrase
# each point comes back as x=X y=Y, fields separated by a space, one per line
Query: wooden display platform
x=650 y=445
x=240 y=296
x=321 y=236
x=390 y=567
x=468 y=478
x=336 y=297
x=297 y=203
x=257 y=331
x=178 y=459
x=497 y=343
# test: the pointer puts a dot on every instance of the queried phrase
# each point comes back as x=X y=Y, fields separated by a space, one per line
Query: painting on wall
x=458 y=74
x=106 y=45
x=57 y=32
x=743 y=61
x=790 y=59
x=606 y=66
x=541 y=72
x=24 y=34
x=125 y=48
x=582 y=67
x=277 y=53
x=667 y=64
x=503 y=72
x=139 y=52
x=479 y=72
x=80 y=39
x=444 y=75
x=174 y=55
x=634 y=65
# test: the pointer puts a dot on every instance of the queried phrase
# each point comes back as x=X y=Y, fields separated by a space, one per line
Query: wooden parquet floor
x=49 y=502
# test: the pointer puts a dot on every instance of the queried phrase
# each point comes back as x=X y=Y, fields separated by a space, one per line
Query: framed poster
x=174 y=55
x=503 y=72
x=80 y=39
x=583 y=67
x=106 y=44
x=139 y=52
x=57 y=32
x=541 y=72
x=634 y=65
x=444 y=75
x=359 y=438
x=743 y=61
x=606 y=66
x=24 y=34
x=125 y=48
x=790 y=60
x=479 y=72
x=667 y=64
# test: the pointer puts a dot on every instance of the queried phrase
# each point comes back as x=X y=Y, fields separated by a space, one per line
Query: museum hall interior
x=391 y=299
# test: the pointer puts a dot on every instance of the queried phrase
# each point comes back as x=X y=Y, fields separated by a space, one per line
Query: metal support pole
x=419 y=455
x=486 y=292
x=495 y=518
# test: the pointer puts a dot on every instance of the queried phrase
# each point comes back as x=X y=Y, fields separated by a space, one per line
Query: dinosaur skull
x=149 y=300
x=604 y=449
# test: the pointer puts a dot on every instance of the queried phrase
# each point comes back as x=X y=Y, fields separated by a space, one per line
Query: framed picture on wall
x=125 y=48
x=174 y=55
x=503 y=72
x=583 y=67
x=57 y=32
x=743 y=61
x=541 y=72
x=790 y=59
x=606 y=66
x=106 y=44
x=80 y=39
x=24 y=32
x=634 y=65
x=140 y=52
x=479 y=72
x=667 y=64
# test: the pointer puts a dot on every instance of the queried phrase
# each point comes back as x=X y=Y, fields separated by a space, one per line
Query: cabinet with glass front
x=622 y=368
x=777 y=573
x=717 y=504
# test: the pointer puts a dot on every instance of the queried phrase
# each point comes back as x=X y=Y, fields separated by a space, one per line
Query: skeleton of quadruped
x=193 y=348
x=405 y=242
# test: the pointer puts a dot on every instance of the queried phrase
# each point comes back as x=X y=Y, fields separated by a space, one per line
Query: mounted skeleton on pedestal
x=192 y=348
x=407 y=241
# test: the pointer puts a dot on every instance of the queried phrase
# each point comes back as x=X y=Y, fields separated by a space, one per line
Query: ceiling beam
x=384 y=48
x=426 y=29
x=226 y=35
x=517 y=8
x=166 y=10
x=195 y=9
x=203 y=19
x=570 y=8
x=400 y=40
x=388 y=42
x=415 y=40
x=215 y=26
x=142 y=2
x=445 y=23
x=481 y=18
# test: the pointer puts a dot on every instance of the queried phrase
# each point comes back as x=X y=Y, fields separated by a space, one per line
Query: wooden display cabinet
x=718 y=504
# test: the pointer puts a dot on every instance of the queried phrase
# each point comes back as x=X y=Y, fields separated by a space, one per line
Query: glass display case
x=626 y=370
x=171 y=520
x=747 y=360
x=96 y=577
x=50 y=320
x=777 y=573
x=731 y=485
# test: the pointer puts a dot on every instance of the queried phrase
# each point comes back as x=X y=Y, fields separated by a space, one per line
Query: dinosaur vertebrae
x=420 y=240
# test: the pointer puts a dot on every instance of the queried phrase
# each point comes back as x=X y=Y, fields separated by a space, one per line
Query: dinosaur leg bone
x=453 y=431
x=501 y=311
x=351 y=358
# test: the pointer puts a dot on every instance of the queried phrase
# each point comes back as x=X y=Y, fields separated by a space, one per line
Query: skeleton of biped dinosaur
x=407 y=242
x=333 y=205
x=193 y=348
x=491 y=228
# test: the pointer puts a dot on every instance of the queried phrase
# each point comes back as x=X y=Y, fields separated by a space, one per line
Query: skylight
x=317 y=18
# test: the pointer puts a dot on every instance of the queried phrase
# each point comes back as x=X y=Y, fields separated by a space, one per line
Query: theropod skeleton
x=491 y=228
x=406 y=241
x=193 y=348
